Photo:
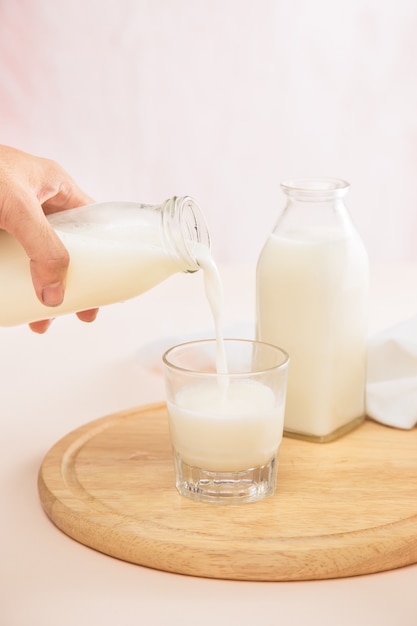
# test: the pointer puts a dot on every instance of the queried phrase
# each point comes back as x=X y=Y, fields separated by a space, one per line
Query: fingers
x=43 y=325
x=32 y=187
x=48 y=256
x=49 y=261
x=87 y=316
x=40 y=327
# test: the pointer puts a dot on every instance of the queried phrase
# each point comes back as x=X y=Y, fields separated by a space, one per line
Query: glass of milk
x=226 y=427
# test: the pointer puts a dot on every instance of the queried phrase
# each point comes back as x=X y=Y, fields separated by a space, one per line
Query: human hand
x=30 y=188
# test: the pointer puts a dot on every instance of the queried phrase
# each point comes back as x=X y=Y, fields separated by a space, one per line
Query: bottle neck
x=185 y=230
x=314 y=203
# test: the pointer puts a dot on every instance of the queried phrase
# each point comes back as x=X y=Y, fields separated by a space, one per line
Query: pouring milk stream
x=215 y=423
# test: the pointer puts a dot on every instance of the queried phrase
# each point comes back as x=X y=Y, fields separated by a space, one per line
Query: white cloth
x=391 y=393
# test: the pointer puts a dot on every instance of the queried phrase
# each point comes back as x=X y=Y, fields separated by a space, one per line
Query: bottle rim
x=185 y=226
x=315 y=189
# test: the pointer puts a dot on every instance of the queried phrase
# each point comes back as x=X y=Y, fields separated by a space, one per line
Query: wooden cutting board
x=343 y=508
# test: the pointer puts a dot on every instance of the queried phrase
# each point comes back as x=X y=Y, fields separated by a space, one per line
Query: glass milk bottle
x=312 y=284
x=117 y=251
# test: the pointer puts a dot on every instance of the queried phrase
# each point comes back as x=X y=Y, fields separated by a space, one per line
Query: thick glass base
x=335 y=434
x=241 y=487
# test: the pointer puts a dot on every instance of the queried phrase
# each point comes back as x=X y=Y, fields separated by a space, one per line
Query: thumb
x=48 y=256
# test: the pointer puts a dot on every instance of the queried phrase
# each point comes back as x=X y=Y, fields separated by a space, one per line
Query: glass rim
x=227 y=340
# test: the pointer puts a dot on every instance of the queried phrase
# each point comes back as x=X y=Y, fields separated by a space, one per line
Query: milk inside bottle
x=117 y=251
x=312 y=284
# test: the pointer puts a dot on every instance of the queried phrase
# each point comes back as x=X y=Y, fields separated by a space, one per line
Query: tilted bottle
x=117 y=251
x=312 y=283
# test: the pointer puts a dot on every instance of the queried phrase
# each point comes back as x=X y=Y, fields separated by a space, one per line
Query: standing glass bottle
x=117 y=251
x=312 y=285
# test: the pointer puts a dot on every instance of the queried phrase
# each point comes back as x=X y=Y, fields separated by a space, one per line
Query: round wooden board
x=343 y=508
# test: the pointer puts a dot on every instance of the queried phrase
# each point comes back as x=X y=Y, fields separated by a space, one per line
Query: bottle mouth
x=187 y=229
x=315 y=189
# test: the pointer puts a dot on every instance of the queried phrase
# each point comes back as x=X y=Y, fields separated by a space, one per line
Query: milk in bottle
x=312 y=282
x=117 y=251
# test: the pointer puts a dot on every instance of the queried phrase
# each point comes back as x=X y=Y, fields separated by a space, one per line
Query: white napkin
x=391 y=391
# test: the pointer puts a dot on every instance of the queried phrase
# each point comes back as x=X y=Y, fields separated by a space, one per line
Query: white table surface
x=76 y=372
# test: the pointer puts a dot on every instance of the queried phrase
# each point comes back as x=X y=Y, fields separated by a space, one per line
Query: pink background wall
x=222 y=99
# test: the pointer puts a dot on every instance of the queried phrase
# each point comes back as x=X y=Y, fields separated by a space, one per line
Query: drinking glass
x=226 y=428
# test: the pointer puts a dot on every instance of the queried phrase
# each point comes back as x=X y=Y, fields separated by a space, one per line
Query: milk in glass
x=229 y=431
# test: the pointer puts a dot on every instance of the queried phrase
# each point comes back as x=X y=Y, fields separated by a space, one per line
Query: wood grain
x=344 y=508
